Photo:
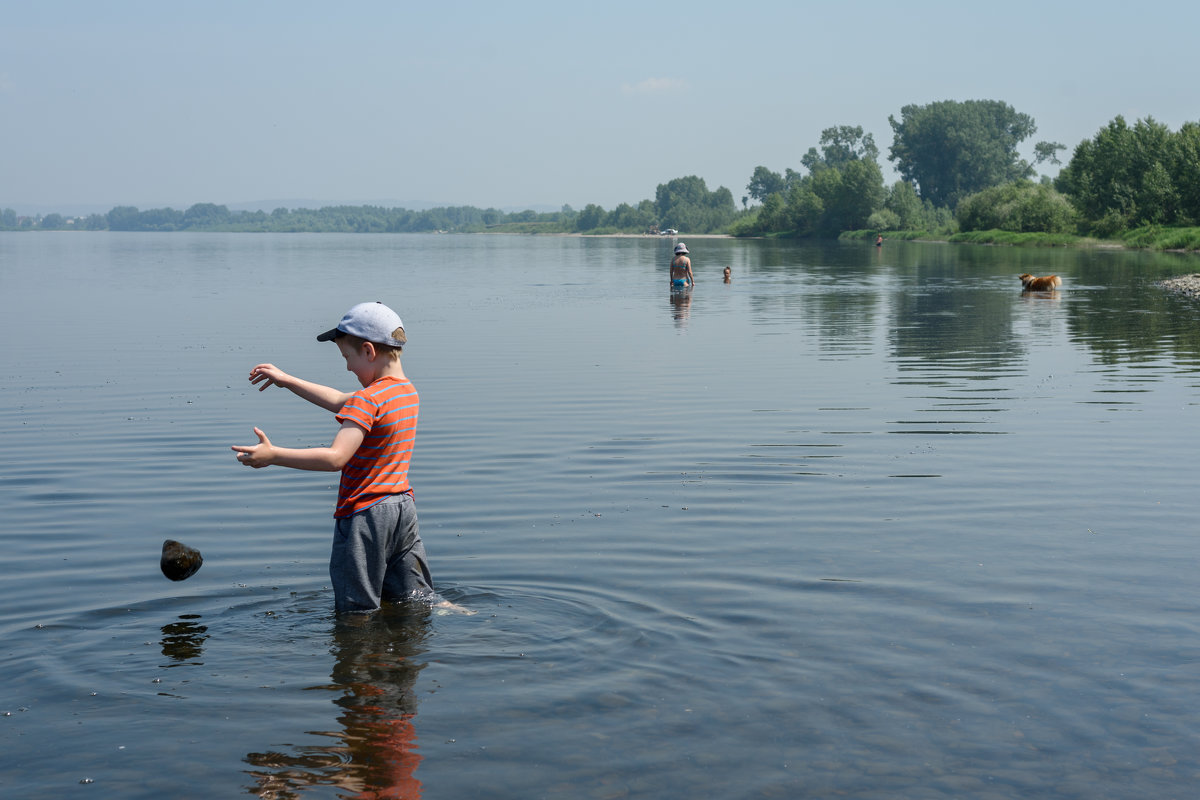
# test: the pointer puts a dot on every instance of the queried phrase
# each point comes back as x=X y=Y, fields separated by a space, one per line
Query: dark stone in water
x=179 y=562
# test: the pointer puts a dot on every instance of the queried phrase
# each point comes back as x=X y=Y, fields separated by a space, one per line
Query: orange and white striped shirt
x=387 y=411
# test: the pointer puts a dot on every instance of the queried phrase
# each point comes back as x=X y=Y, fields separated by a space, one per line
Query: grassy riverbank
x=1152 y=237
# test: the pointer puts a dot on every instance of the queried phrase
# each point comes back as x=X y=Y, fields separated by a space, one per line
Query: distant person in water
x=681 y=269
x=879 y=240
x=728 y=275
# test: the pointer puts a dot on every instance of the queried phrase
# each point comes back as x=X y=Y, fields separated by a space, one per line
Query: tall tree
x=764 y=182
x=687 y=205
x=123 y=218
x=840 y=146
x=202 y=214
x=848 y=195
x=1185 y=168
x=590 y=218
x=1126 y=176
x=1047 y=151
x=950 y=149
x=902 y=200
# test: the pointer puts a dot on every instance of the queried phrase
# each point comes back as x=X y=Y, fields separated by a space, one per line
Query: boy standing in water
x=377 y=549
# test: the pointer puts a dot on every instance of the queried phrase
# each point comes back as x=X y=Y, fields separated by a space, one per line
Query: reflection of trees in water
x=1109 y=300
x=374 y=754
x=946 y=308
x=183 y=641
x=947 y=322
x=1141 y=322
x=838 y=291
x=961 y=306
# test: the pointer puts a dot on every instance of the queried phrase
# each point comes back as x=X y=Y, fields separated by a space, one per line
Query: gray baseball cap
x=374 y=322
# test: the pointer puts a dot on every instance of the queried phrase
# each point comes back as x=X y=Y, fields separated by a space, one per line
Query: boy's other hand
x=256 y=455
x=268 y=375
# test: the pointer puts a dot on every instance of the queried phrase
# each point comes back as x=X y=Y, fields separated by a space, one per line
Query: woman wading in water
x=681 y=269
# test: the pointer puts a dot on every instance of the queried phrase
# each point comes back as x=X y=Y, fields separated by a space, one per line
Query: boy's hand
x=268 y=375
x=257 y=455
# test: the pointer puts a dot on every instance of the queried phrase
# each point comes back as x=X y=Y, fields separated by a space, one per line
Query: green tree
x=860 y=192
x=52 y=222
x=1127 y=176
x=627 y=218
x=203 y=215
x=686 y=205
x=764 y=182
x=840 y=146
x=1021 y=207
x=590 y=218
x=159 y=219
x=1185 y=170
x=884 y=220
x=1047 y=151
x=123 y=218
x=95 y=222
x=8 y=218
x=902 y=200
x=804 y=209
x=773 y=214
x=950 y=149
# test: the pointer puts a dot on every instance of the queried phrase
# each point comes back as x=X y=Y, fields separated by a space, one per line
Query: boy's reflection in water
x=374 y=672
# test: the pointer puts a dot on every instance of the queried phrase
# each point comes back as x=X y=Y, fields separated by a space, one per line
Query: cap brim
x=329 y=335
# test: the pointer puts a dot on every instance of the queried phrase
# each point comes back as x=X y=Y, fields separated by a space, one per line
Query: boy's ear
x=369 y=351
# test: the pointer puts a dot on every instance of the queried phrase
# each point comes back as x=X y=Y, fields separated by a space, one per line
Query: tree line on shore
x=960 y=170
x=962 y=176
x=683 y=204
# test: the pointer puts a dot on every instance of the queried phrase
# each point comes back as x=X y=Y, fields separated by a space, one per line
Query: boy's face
x=357 y=361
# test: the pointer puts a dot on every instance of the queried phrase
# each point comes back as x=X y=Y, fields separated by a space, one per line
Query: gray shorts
x=378 y=555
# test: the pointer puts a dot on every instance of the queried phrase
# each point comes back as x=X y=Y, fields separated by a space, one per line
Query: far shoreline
x=618 y=235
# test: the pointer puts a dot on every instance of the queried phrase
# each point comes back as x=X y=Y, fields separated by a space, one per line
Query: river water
x=864 y=522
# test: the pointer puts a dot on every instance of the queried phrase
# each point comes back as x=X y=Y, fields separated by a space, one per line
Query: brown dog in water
x=1045 y=284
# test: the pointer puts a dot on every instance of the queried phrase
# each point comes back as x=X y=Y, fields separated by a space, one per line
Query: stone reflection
x=374 y=754
x=183 y=641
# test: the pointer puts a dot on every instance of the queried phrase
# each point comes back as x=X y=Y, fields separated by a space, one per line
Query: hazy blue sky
x=533 y=103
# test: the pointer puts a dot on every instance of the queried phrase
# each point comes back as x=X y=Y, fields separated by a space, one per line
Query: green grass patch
x=1150 y=237
x=905 y=236
x=1017 y=239
x=1156 y=237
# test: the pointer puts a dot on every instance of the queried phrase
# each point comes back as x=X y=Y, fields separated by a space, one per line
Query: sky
x=532 y=104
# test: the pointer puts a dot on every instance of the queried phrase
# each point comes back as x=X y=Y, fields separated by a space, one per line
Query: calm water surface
x=864 y=522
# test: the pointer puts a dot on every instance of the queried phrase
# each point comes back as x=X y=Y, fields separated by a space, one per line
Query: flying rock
x=179 y=562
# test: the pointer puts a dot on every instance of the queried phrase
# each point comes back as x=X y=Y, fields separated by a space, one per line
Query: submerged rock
x=1188 y=285
x=179 y=562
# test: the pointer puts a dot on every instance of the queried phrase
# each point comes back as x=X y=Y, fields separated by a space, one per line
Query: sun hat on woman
x=680 y=248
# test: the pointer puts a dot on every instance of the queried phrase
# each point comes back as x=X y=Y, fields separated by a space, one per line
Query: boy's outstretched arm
x=319 y=459
x=326 y=397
